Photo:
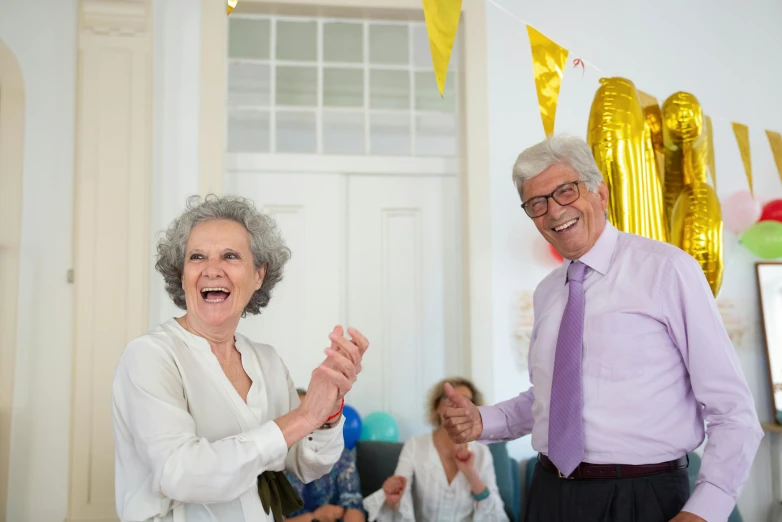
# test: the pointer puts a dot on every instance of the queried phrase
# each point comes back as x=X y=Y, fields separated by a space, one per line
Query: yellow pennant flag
x=548 y=62
x=775 y=140
x=231 y=5
x=442 y=21
x=710 y=155
x=742 y=138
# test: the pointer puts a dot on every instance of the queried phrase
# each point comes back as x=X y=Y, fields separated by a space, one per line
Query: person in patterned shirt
x=335 y=496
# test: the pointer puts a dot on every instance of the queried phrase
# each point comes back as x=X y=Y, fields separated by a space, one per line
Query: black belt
x=615 y=471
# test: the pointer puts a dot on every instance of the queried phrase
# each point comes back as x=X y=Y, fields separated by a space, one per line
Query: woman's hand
x=329 y=513
x=352 y=350
x=394 y=488
x=322 y=393
x=465 y=459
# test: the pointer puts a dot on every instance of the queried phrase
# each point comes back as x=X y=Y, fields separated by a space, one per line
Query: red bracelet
x=336 y=415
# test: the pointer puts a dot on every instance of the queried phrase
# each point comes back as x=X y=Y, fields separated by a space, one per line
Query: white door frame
x=11 y=171
x=474 y=146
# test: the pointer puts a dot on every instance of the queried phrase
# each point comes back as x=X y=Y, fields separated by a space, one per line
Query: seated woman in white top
x=205 y=420
x=436 y=479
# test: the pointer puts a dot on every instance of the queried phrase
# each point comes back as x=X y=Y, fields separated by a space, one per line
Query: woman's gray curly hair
x=266 y=244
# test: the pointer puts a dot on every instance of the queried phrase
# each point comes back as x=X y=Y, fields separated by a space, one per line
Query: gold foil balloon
x=653 y=180
x=654 y=118
x=616 y=135
x=686 y=146
x=696 y=228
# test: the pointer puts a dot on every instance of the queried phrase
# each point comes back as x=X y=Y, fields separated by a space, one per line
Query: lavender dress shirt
x=657 y=364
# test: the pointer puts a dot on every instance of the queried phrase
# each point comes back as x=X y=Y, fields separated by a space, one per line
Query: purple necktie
x=566 y=421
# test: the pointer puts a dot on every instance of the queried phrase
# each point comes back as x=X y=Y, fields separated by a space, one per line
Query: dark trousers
x=653 y=498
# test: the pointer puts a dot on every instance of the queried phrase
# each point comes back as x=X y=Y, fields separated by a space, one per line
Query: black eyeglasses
x=564 y=195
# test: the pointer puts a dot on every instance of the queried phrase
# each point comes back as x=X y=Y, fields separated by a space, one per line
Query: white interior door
x=376 y=252
x=401 y=290
x=309 y=301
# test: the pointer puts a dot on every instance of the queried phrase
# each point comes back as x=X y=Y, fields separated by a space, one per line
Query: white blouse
x=429 y=497
x=187 y=447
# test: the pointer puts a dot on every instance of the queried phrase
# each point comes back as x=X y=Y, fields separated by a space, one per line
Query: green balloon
x=379 y=426
x=764 y=239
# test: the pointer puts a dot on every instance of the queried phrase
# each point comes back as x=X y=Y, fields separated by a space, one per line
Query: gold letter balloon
x=655 y=164
x=696 y=217
x=621 y=141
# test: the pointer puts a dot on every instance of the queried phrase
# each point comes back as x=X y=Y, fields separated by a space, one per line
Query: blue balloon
x=380 y=426
x=351 y=429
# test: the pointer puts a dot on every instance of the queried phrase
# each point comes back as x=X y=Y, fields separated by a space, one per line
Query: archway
x=11 y=156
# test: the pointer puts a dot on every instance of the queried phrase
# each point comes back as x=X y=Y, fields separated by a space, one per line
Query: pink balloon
x=740 y=211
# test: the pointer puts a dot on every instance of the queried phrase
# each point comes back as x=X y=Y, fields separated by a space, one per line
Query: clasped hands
x=335 y=376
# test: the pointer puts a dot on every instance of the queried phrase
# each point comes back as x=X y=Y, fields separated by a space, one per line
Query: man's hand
x=328 y=513
x=684 y=516
x=461 y=420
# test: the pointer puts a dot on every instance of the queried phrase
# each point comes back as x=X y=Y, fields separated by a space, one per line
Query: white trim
x=272 y=85
x=323 y=164
x=12 y=114
x=476 y=198
x=411 y=87
x=319 y=87
x=213 y=96
x=365 y=65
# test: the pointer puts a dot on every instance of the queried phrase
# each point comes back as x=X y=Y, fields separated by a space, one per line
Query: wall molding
x=114 y=17
x=112 y=198
x=12 y=107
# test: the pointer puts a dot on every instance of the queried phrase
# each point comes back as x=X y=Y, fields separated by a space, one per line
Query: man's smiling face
x=572 y=229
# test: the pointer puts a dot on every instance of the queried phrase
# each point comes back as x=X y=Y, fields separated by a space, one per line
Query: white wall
x=724 y=55
x=42 y=34
x=177 y=26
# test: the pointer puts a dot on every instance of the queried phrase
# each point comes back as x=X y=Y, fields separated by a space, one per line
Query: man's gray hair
x=559 y=149
x=266 y=244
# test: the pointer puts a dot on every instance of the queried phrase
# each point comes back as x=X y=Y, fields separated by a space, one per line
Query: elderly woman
x=205 y=420
x=436 y=479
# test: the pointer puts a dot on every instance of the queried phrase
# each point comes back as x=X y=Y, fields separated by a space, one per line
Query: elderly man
x=628 y=358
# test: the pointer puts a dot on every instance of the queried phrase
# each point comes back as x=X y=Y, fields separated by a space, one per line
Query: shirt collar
x=599 y=256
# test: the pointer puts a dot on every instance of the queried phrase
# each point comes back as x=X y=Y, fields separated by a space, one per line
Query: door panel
x=398 y=248
x=309 y=301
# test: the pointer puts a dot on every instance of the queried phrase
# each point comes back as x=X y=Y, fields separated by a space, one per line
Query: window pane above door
x=343 y=132
x=343 y=42
x=336 y=86
x=297 y=41
x=297 y=86
x=343 y=87
x=249 y=38
x=389 y=89
x=388 y=44
x=389 y=134
x=296 y=131
x=248 y=84
x=435 y=135
x=248 y=131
